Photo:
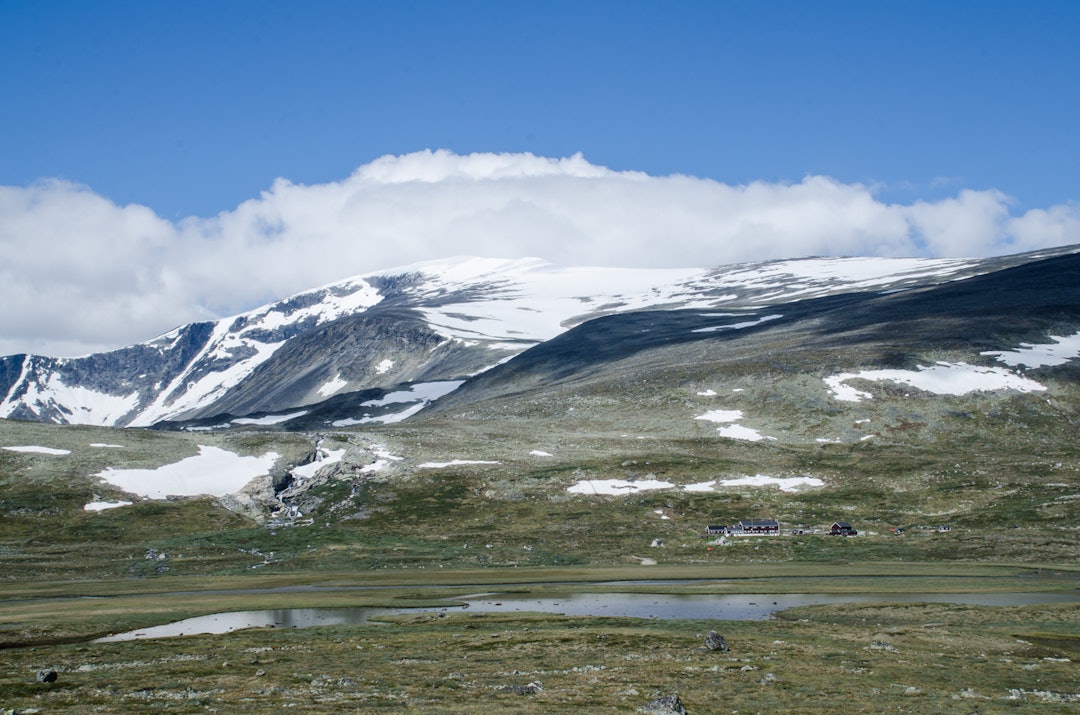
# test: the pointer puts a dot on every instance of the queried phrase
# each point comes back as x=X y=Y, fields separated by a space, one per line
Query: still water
x=728 y=607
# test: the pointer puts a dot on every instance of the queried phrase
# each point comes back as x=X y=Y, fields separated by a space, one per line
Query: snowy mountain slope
x=438 y=321
x=984 y=324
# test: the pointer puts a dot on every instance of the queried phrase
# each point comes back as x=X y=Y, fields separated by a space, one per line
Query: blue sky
x=190 y=108
x=168 y=162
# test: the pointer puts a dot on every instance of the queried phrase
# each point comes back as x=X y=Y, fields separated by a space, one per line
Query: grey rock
x=516 y=689
x=664 y=705
x=715 y=642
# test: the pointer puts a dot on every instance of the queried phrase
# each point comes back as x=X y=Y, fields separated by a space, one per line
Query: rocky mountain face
x=376 y=348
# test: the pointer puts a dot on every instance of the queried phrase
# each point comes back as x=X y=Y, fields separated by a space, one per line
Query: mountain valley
x=909 y=403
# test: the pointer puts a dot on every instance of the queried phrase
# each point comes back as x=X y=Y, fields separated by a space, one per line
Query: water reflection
x=728 y=607
x=217 y=623
x=735 y=607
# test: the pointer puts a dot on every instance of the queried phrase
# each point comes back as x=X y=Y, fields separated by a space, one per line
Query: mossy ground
x=911 y=658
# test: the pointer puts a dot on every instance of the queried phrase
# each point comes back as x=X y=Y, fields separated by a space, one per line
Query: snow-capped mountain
x=429 y=326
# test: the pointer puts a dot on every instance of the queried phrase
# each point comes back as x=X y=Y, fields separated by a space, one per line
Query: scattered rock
x=714 y=641
x=657 y=543
x=46 y=676
x=665 y=705
x=260 y=672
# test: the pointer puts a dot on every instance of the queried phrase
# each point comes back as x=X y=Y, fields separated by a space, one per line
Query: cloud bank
x=79 y=273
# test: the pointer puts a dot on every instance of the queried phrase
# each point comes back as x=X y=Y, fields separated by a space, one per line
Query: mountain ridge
x=436 y=321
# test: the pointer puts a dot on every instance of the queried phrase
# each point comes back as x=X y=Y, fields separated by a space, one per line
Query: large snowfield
x=214 y=472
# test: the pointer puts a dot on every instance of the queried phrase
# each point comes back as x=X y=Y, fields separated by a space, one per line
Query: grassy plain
x=1006 y=483
x=867 y=658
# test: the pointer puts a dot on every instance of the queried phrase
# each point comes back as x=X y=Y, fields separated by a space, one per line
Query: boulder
x=46 y=676
x=714 y=641
x=665 y=705
x=516 y=689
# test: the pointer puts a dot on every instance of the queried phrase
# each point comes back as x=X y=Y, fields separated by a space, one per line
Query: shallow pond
x=728 y=607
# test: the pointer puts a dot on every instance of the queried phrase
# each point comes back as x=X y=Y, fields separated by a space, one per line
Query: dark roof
x=759 y=522
x=842 y=524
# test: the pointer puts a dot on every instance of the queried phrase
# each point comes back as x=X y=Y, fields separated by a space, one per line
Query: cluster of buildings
x=768 y=527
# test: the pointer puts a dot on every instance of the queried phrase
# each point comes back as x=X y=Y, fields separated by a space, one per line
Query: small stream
x=725 y=607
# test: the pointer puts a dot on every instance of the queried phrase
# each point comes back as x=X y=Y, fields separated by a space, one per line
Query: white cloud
x=967 y=225
x=79 y=273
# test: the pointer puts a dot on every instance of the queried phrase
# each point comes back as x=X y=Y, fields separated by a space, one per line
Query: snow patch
x=383 y=367
x=39 y=450
x=358 y=296
x=616 y=486
x=844 y=392
x=1036 y=355
x=323 y=458
x=383 y=460
x=269 y=419
x=737 y=326
x=103 y=505
x=721 y=416
x=940 y=379
x=333 y=386
x=422 y=394
x=620 y=486
x=109 y=446
x=744 y=433
x=538 y=453
x=732 y=431
x=707 y=393
x=427 y=391
x=213 y=471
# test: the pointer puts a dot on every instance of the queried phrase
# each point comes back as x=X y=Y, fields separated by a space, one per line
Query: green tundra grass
x=1002 y=472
